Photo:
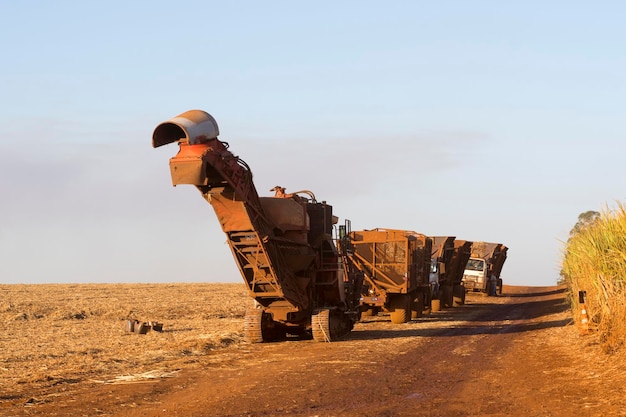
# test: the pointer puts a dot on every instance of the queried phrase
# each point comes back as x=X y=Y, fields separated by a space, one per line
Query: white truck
x=482 y=271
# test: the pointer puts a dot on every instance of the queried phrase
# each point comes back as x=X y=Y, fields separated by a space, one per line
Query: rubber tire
x=400 y=311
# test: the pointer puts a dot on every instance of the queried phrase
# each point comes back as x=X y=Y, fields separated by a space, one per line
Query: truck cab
x=475 y=274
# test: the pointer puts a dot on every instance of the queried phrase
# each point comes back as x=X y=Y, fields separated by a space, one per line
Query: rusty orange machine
x=285 y=245
x=396 y=265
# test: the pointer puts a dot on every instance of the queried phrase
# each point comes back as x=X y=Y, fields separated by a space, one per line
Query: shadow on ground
x=480 y=318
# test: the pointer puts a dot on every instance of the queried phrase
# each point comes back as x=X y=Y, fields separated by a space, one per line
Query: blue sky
x=484 y=120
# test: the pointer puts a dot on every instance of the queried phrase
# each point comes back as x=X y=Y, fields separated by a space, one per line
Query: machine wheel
x=435 y=304
x=253 y=326
x=258 y=327
x=458 y=295
x=400 y=311
x=320 y=326
x=327 y=325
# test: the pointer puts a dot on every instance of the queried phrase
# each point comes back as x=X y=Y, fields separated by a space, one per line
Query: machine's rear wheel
x=400 y=309
x=258 y=327
x=320 y=326
x=252 y=326
x=327 y=325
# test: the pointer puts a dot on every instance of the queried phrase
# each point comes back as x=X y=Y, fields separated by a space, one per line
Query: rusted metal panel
x=187 y=167
x=462 y=252
x=393 y=260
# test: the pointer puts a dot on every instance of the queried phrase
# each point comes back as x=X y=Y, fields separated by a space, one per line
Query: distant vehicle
x=484 y=267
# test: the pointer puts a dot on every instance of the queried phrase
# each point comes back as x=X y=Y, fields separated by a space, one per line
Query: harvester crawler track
x=329 y=325
x=252 y=326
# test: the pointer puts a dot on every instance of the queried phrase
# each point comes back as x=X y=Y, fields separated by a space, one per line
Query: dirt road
x=516 y=354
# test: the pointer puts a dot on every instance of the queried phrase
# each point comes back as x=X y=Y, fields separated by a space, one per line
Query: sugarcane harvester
x=283 y=245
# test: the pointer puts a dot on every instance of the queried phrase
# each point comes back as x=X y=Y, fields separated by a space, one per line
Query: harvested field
x=65 y=352
x=65 y=334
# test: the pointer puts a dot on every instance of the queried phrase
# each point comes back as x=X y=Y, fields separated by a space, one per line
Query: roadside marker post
x=584 y=318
